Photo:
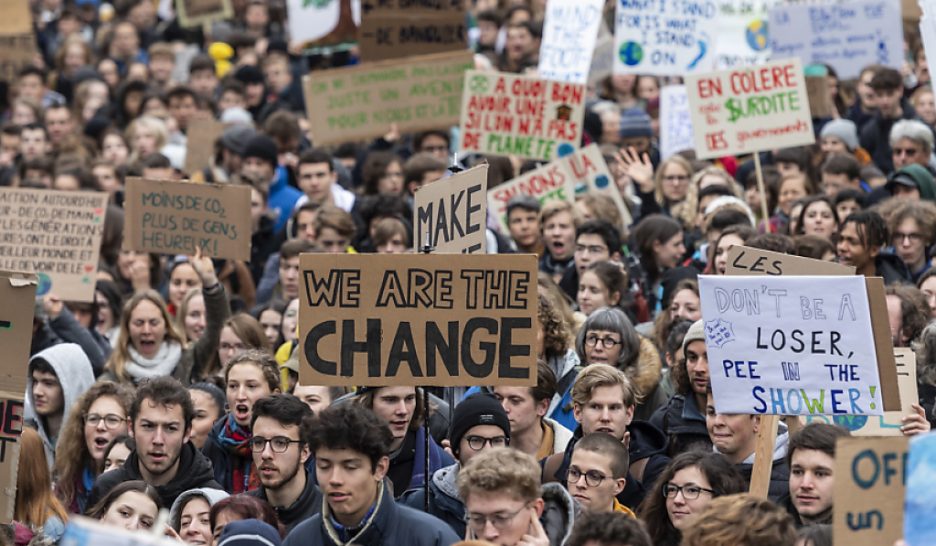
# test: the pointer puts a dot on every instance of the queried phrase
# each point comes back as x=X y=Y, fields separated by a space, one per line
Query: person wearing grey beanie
x=839 y=136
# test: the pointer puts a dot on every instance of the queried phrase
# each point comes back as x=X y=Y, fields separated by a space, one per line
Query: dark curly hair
x=555 y=331
x=613 y=528
x=349 y=426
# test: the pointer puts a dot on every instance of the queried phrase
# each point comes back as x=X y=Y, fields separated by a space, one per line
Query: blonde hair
x=685 y=210
x=601 y=375
x=741 y=520
x=151 y=123
x=501 y=470
x=557 y=207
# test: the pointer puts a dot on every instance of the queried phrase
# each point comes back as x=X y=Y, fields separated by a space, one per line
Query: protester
x=35 y=505
x=131 y=505
x=530 y=430
x=744 y=520
x=811 y=457
x=190 y=515
x=615 y=529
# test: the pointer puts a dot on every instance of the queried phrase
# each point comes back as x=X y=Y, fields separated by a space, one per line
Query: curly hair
x=501 y=470
x=349 y=426
x=608 y=529
x=914 y=312
x=741 y=520
x=555 y=330
x=261 y=359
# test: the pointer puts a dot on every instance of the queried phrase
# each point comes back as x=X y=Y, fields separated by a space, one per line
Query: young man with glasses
x=478 y=425
x=598 y=473
x=506 y=504
x=526 y=407
x=280 y=456
x=351 y=446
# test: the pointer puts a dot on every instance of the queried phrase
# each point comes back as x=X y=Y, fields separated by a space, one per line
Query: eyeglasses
x=499 y=520
x=477 y=443
x=913 y=237
x=608 y=342
x=591 y=249
x=279 y=444
x=593 y=478
x=111 y=421
x=689 y=492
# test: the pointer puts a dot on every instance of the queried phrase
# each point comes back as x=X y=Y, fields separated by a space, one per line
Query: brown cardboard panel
x=395 y=33
x=199 y=144
x=193 y=13
x=11 y=410
x=883 y=346
x=16 y=17
x=453 y=211
x=743 y=260
x=820 y=103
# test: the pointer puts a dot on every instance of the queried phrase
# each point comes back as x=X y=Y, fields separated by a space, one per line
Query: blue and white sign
x=743 y=37
x=675 y=121
x=664 y=37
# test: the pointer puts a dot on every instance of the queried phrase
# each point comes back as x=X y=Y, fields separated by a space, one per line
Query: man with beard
x=280 y=455
x=161 y=425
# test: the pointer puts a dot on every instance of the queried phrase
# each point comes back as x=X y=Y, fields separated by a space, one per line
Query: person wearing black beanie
x=478 y=424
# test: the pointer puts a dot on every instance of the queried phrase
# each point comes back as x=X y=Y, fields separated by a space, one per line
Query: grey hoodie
x=75 y=375
x=210 y=495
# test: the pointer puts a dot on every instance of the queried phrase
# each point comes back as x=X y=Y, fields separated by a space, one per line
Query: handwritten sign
x=453 y=212
x=199 y=144
x=193 y=13
x=790 y=345
x=569 y=34
x=870 y=476
x=392 y=29
x=323 y=25
x=355 y=103
x=847 y=36
x=743 y=260
x=168 y=217
x=55 y=234
x=664 y=38
x=746 y=110
x=507 y=114
x=11 y=410
x=889 y=423
x=17 y=42
x=82 y=531
x=418 y=319
x=742 y=31
x=675 y=121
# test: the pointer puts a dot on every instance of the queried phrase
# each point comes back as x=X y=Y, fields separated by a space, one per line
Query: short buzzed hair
x=605 y=444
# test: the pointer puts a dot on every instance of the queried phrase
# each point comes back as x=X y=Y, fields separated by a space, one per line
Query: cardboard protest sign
x=508 y=114
x=199 y=144
x=847 y=36
x=591 y=174
x=170 y=217
x=675 y=121
x=392 y=29
x=418 y=319
x=569 y=34
x=55 y=234
x=870 y=474
x=17 y=41
x=919 y=526
x=910 y=9
x=11 y=407
x=664 y=38
x=743 y=260
x=742 y=33
x=791 y=345
x=820 y=102
x=453 y=213
x=193 y=13
x=746 y=110
x=889 y=423
x=360 y=102
x=323 y=26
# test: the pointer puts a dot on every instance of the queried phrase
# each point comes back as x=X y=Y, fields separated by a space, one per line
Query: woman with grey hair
x=609 y=337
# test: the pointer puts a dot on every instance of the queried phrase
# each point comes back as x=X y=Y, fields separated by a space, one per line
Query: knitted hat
x=696 y=332
x=249 y=532
x=236 y=115
x=635 y=123
x=237 y=137
x=477 y=409
x=842 y=129
x=263 y=147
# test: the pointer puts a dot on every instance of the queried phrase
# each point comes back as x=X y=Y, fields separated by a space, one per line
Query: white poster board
x=664 y=38
x=743 y=33
x=569 y=34
x=675 y=121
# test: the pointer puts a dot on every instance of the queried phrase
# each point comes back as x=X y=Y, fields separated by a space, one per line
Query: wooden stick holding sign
x=765 y=212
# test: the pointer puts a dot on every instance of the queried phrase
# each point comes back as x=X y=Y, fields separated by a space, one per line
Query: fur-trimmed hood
x=646 y=374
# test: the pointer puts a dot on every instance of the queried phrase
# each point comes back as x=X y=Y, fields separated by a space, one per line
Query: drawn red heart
x=99 y=211
x=89 y=268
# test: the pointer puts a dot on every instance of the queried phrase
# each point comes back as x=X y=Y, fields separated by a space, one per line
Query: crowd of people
x=178 y=387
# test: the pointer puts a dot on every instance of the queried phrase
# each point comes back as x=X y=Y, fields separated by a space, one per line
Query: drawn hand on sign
x=637 y=167
x=915 y=422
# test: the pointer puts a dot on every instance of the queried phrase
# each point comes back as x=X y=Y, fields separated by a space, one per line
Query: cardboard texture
x=883 y=345
x=323 y=26
x=55 y=234
x=453 y=212
x=429 y=320
x=870 y=478
x=16 y=19
x=395 y=29
x=820 y=103
x=910 y=9
x=169 y=217
x=746 y=110
x=193 y=13
x=199 y=144
x=889 y=423
x=17 y=41
x=12 y=412
x=361 y=102
x=508 y=114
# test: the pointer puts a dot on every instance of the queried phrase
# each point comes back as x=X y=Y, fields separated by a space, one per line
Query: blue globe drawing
x=851 y=422
x=757 y=36
x=565 y=149
x=45 y=284
x=631 y=53
x=601 y=182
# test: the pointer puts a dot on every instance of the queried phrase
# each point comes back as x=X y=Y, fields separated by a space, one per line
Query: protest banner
x=747 y=110
x=743 y=260
x=602 y=65
x=418 y=319
x=508 y=114
x=194 y=13
x=675 y=121
x=927 y=28
x=199 y=143
x=889 y=423
x=557 y=181
x=171 y=217
x=664 y=38
x=820 y=102
x=570 y=31
x=84 y=531
x=323 y=26
x=17 y=41
x=846 y=36
x=54 y=234
x=870 y=476
x=360 y=102
x=789 y=345
x=911 y=9
x=919 y=526
x=392 y=29
x=742 y=33
x=452 y=212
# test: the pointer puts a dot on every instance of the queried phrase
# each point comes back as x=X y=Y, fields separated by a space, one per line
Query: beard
x=284 y=477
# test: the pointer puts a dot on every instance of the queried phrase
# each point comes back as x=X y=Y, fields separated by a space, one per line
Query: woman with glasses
x=688 y=485
x=249 y=376
x=608 y=337
x=100 y=416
